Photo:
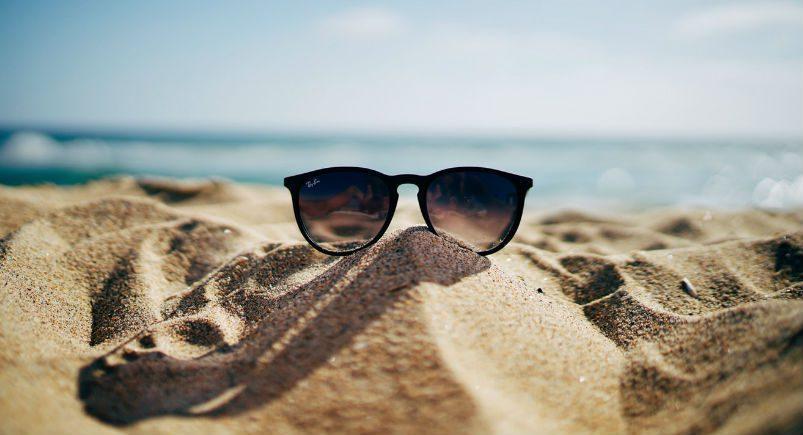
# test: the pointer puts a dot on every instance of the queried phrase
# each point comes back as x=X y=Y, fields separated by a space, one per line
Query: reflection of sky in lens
x=475 y=190
x=326 y=185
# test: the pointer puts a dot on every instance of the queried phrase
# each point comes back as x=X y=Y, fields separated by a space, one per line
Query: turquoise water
x=567 y=171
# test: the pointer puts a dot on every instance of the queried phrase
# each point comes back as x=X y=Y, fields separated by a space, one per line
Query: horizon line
x=250 y=133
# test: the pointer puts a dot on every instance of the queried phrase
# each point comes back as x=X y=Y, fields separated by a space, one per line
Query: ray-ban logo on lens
x=313 y=182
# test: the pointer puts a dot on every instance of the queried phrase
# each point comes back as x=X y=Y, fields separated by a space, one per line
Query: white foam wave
x=779 y=194
x=647 y=173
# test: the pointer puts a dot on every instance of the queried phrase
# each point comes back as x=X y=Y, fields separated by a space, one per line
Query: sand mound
x=198 y=191
x=171 y=306
x=572 y=231
x=261 y=329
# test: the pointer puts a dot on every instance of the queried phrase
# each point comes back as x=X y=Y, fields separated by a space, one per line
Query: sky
x=657 y=68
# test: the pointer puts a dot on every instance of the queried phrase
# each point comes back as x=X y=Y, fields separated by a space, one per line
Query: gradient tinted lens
x=342 y=211
x=477 y=208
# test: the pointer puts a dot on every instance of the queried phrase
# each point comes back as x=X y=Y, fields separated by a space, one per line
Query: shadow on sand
x=288 y=336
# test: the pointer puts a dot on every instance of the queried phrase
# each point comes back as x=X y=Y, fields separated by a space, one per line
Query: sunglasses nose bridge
x=416 y=180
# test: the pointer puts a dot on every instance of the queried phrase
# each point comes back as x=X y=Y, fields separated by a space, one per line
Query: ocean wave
x=565 y=173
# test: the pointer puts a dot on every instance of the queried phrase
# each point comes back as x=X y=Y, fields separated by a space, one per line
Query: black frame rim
x=392 y=182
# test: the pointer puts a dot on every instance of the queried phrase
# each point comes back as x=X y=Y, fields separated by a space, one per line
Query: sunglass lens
x=475 y=207
x=343 y=211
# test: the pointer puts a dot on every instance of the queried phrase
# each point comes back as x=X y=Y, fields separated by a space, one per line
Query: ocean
x=567 y=172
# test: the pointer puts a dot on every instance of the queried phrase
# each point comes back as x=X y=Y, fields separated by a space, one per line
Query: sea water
x=567 y=171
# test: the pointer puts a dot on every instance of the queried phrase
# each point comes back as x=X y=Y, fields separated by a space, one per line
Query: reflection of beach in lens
x=476 y=208
x=344 y=210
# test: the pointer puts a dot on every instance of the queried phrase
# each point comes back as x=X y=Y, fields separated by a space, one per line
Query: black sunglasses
x=344 y=209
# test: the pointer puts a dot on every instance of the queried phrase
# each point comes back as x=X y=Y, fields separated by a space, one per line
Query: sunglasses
x=344 y=209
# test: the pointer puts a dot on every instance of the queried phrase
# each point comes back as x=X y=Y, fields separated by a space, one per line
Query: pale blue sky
x=513 y=67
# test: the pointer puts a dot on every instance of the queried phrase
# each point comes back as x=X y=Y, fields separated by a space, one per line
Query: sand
x=155 y=306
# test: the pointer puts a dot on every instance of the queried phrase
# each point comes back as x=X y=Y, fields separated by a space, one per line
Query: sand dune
x=159 y=306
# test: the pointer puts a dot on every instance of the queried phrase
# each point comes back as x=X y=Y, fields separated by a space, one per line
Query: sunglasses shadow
x=286 y=337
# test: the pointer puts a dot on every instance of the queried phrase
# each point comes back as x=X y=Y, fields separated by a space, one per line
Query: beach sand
x=153 y=306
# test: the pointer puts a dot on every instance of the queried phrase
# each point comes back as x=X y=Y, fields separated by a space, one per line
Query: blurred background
x=602 y=103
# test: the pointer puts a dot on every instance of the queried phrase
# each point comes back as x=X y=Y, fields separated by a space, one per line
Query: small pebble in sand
x=582 y=379
x=688 y=288
x=227 y=231
x=540 y=290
